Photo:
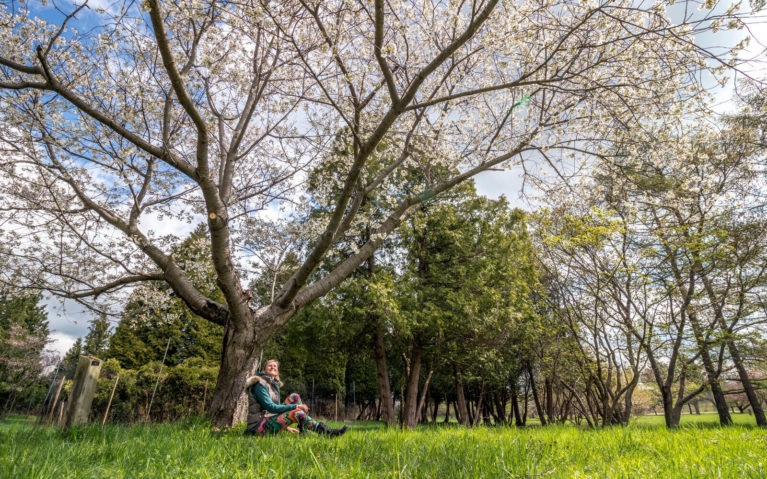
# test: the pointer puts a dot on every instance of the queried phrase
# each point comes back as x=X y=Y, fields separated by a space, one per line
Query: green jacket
x=264 y=399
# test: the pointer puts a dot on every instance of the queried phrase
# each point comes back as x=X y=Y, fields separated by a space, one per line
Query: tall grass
x=189 y=449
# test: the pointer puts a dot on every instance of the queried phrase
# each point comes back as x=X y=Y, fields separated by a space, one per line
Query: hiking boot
x=330 y=432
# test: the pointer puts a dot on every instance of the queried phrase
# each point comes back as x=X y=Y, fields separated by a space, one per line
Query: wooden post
x=162 y=364
x=109 y=404
x=55 y=398
x=204 y=397
x=336 y=418
x=83 y=389
x=61 y=410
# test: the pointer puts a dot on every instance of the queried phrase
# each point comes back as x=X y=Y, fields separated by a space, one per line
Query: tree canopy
x=215 y=109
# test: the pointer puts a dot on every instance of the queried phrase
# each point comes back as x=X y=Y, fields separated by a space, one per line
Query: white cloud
x=67 y=321
x=60 y=343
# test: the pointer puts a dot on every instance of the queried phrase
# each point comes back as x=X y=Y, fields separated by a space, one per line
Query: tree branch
x=126 y=280
x=177 y=82
x=379 y=27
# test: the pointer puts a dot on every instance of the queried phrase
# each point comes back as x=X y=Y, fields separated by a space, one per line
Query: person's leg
x=293 y=399
x=263 y=428
x=299 y=418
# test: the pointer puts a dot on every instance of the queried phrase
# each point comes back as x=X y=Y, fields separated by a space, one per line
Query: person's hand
x=292 y=430
x=303 y=407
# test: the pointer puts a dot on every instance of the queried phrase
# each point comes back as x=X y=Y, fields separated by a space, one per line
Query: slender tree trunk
x=524 y=414
x=478 y=409
x=382 y=369
x=461 y=410
x=549 y=391
x=748 y=387
x=7 y=402
x=434 y=411
x=713 y=377
x=515 y=407
x=538 y=408
x=411 y=401
x=447 y=412
x=500 y=409
x=382 y=376
x=627 y=400
x=422 y=402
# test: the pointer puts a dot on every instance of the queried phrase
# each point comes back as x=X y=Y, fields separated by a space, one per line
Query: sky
x=68 y=320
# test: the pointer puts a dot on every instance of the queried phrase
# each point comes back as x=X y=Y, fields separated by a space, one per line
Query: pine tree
x=23 y=335
x=69 y=363
x=97 y=339
x=153 y=314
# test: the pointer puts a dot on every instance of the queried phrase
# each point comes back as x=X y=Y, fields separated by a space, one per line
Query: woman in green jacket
x=267 y=416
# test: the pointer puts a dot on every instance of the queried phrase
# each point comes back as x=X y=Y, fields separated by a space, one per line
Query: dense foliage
x=23 y=335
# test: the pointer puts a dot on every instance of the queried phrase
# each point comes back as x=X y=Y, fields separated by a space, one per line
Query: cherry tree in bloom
x=217 y=109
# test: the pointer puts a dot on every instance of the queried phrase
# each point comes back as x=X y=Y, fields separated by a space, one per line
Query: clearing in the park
x=699 y=448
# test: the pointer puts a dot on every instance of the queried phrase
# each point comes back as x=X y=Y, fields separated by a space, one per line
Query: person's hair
x=277 y=378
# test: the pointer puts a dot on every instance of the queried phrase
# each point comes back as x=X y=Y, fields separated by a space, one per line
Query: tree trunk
x=753 y=399
x=713 y=376
x=524 y=414
x=382 y=375
x=460 y=404
x=434 y=411
x=411 y=401
x=447 y=412
x=677 y=415
x=538 y=408
x=515 y=407
x=500 y=409
x=422 y=402
x=748 y=387
x=478 y=409
x=6 y=405
x=549 y=391
x=627 y=404
x=229 y=405
x=382 y=369
x=669 y=414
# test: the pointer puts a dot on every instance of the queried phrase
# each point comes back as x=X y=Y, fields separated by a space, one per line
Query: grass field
x=188 y=449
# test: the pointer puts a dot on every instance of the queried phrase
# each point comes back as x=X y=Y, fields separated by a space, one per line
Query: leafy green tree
x=154 y=314
x=473 y=264
x=23 y=335
x=97 y=339
x=69 y=363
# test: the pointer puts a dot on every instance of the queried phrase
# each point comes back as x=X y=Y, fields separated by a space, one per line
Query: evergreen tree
x=97 y=339
x=23 y=335
x=154 y=314
x=69 y=363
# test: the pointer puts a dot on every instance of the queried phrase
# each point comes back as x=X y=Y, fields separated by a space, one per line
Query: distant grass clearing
x=188 y=449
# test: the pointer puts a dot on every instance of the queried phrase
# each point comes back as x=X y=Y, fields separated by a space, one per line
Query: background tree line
x=639 y=289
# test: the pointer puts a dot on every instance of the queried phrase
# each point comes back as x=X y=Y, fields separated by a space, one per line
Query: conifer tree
x=97 y=339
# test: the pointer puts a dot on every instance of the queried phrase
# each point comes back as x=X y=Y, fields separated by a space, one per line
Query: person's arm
x=261 y=393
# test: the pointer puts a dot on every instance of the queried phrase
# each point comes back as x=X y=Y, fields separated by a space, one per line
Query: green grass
x=189 y=449
x=706 y=419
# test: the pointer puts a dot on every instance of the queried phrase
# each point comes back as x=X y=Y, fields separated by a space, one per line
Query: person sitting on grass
x=267 y=416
